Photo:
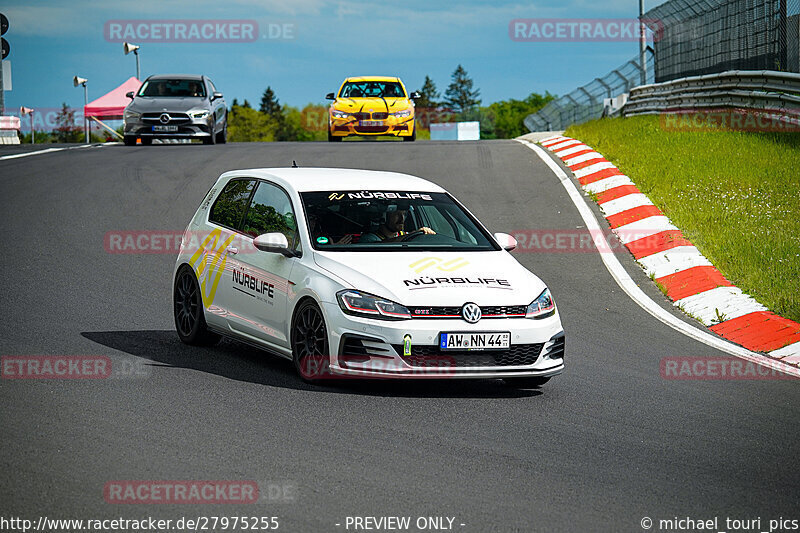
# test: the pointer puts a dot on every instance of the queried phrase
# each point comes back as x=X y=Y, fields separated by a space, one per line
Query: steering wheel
x=412 y=235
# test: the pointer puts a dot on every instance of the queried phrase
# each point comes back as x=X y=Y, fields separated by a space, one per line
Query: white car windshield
x=172 y=88
x=391 y=220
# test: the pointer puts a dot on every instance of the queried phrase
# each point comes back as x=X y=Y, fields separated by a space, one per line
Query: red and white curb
x=689 y=279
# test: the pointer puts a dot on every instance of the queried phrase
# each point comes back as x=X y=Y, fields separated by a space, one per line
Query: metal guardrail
x=764 y=90
x=587 y=102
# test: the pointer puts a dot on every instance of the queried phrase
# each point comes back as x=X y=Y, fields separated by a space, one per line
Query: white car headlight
x=541 y=307
x=199 y=114
x=359 y=303
x=339 y=114
x=402 y=114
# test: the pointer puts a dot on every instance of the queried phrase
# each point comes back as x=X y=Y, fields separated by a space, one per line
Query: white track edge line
x=790 y=350
x=48 y=151
x=627 y=284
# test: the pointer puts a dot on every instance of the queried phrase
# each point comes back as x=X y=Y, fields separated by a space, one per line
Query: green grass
x=735 y=195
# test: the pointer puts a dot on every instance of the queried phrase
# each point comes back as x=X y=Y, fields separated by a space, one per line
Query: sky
x=305 y=48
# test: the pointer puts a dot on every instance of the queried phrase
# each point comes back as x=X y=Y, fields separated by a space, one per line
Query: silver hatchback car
x=176 y=106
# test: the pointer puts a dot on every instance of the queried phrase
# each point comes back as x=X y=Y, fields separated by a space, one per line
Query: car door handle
x=232 y=250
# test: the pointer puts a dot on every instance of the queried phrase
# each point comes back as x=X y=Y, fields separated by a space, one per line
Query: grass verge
x=735 y=195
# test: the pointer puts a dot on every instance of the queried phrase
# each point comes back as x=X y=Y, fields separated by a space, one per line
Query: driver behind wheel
x=392 y=228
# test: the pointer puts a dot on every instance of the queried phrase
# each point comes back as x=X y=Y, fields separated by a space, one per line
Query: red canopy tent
x=112 y=104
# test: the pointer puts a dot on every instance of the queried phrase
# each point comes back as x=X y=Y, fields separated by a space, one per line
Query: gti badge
x=471 y=312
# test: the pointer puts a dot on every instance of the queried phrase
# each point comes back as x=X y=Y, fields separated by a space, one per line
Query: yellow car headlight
x=339 y=114
x=402 y=114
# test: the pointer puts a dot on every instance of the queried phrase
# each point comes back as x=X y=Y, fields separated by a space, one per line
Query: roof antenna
x=294 y=164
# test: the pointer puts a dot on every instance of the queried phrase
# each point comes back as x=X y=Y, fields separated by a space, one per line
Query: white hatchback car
x=354 y=273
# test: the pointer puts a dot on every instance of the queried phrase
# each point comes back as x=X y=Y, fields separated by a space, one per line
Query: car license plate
x=474 y=341
x=370 y=123
x=165 y=128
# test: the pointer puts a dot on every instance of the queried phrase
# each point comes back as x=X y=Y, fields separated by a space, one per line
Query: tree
x=428 y=95
x=269 y=103
x=459 y=95
x=246 y=104
x=505 y=119
x=245 y=124
x=309 y=123
x=285 y=129
x=427 y=105
x=66 y=130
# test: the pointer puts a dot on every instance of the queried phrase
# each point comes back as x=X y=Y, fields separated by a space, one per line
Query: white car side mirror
x=274 y=243
x=506 y=241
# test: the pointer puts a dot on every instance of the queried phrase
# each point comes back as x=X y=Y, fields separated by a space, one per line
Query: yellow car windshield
x=372 y=89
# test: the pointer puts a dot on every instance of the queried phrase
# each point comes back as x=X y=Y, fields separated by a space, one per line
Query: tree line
x=460 y=102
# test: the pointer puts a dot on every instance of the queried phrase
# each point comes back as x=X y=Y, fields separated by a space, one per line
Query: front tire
x=222 y=137
x=332 y=139
x=147 y=141
x=129 y=140
x=527 y=383
x=310 y=351
x=190 y=322
x=412 y=137
x=211 y=139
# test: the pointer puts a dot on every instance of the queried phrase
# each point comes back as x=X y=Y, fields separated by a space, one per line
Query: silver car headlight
x=402 y=114
x=199 y=114
x=366 y=305
x=542 y=307
x=131 y=115
x=339 y=114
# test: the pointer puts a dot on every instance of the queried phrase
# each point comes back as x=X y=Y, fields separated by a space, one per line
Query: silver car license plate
x=165 y=128
x=474 y=341
x=370 y=123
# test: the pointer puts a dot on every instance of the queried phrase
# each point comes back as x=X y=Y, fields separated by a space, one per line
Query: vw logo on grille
x=471 y=312
x=164 y=118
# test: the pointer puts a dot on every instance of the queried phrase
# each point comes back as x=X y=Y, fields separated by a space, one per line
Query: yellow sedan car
x=372 y=106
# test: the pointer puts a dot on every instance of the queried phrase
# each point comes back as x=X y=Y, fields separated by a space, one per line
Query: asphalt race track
x=597 y=449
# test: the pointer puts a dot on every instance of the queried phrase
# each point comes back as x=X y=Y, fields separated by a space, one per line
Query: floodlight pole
x=33 y=141
x=2 y=91
x=85 y=120
x=138 y=74
x=642 y=43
